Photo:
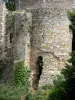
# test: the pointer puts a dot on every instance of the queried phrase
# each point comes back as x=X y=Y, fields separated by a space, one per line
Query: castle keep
x=37 y=31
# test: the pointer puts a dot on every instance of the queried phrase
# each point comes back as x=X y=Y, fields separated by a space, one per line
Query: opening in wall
x=73 y=42
x=73 y=37
x=11 y=37
x=37 y=75
x=39 y=67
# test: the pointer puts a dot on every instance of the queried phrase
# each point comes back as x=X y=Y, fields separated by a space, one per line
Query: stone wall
x=51 y=40
x=35 y=4
x=5 y=53
x=50 y=36
x=23 y=21
x=1 y=11
x=16 y=41
x=2 y=28
x=39 y=28
x=28 y=4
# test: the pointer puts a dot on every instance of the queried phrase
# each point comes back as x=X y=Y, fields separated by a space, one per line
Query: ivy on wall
x=10 y=4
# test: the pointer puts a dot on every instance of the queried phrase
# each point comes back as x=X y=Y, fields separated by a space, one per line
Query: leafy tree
x=71 y=16
x=65 y=89
x=10 y=4
x=69 y=74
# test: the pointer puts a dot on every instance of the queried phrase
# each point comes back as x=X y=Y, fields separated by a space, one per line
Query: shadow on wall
x=5 y=70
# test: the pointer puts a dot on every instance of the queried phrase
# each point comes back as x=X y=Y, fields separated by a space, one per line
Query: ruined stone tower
x=40 y=28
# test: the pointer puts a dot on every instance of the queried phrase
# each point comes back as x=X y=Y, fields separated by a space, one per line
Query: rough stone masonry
x=38 y=28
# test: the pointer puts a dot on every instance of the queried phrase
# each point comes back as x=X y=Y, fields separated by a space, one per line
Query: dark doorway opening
x=73 y=42
x=73 y=45
x=11 y=37
x=39 y=67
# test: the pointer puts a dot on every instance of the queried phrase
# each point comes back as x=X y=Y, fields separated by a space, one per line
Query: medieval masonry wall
x=2 y=28
x=39 y=28
x=50 y=36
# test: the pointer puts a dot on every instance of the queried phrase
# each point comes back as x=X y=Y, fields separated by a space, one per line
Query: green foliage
x=47 y=87
x=58 y=93
x=21 y=80
x=42 y=93
x=71 y=16
x=59 y=90
x=59 y=79
x=11 y=93
x=10 y=4
x=21 y=74
x=39 y=95
x=69 y=73
x=65 y=90
x=48 y=92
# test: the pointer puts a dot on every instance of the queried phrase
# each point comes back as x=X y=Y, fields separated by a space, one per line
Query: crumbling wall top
x=35 y=4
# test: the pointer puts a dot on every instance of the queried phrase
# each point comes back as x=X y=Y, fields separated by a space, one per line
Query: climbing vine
x=10 y=4
x=21 y=74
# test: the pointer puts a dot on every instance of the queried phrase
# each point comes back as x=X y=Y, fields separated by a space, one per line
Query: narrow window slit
x=73 y=42
x=39 y=67
x=11 y=37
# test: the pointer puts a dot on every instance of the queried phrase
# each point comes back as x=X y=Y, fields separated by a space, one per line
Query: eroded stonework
x=39 y=28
